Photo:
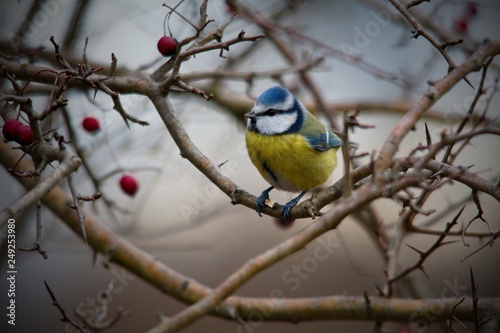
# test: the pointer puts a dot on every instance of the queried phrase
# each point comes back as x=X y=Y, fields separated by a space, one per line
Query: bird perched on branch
x=289 y=146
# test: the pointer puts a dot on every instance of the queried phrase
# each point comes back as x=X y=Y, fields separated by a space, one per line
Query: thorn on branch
x=415 y=34
x=421 y=253
x=422 y=269
x=415 y=3
x=475 y=299
x=428 y=137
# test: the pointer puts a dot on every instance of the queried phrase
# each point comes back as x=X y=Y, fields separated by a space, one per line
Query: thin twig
x=420 y=31
x=490 y=242
x=76 y=204
x=424 y=255
x=65 y=317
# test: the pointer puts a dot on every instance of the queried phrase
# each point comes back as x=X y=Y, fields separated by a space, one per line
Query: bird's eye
x=271 y=113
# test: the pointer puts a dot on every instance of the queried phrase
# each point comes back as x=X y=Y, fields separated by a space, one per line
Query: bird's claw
x=261 y=202
x=288 y=208
x=286 y=211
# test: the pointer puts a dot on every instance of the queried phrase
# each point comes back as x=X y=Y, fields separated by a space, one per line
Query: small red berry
x=9 y=129
x=24 y=135
x=167 y=46
x=461 y=25
x=91 y=124
x=129 y=184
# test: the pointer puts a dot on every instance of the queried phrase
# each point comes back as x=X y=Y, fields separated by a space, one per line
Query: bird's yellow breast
x=288 y=163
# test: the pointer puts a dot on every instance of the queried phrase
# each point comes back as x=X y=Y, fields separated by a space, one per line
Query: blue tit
x=289 y=146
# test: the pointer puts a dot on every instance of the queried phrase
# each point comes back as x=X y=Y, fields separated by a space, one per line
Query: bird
x=292 y=150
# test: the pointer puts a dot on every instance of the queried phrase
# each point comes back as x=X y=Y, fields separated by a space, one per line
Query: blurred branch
x=271 y=27
x=432 y=24
x=77 y=20
x=251 y=75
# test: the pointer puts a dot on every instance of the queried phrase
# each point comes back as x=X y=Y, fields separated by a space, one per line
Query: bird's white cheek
x=277 y=124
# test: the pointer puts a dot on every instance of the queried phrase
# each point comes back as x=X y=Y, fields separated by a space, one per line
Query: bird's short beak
x=250 y=115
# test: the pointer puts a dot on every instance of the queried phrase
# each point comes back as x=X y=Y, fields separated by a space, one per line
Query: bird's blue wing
x=324 y=141
x=318 y=136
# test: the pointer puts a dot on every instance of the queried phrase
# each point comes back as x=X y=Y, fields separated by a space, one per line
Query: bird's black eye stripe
x=270 y=113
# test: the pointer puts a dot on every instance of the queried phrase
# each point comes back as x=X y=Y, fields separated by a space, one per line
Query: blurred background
x=185 y=221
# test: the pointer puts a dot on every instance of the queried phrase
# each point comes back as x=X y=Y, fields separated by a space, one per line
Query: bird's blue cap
x=273 y=95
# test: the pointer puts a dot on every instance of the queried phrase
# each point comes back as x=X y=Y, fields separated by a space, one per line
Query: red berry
x=91 y=124
x=9 y=129
x=24 y=135
x=129 y=184
x=167 y=46
x=461 y=25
